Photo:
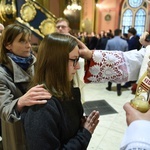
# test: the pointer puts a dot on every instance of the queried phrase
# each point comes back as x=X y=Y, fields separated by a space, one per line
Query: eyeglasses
x=75 y=61
x=63 y=27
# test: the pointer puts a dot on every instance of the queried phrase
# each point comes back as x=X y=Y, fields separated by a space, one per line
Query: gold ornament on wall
x=28 y=12
x=108 y=17
x=47 y=27
x=32 y=11
x=7 y=10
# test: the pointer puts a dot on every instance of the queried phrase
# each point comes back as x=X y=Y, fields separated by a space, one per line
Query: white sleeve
x=145 y=61
x=134 y=61
x=137 y=136
x=114 y=66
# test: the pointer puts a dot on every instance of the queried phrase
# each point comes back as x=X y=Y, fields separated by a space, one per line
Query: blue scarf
x=24 y=63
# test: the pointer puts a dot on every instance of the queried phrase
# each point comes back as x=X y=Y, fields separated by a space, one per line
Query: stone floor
x=110 y=130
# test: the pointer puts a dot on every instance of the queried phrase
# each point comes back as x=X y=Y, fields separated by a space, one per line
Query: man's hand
x=142 y=39
x=132 y=114
x=84 y=52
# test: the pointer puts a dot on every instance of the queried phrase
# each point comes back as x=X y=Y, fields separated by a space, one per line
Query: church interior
x=91 y=16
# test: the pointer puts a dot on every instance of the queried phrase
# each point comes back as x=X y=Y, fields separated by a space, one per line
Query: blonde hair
x=62 y=19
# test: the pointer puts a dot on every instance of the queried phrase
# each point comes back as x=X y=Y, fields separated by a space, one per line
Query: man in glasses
x=62 y=25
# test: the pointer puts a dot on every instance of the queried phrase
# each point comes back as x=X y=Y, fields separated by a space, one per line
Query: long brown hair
x=8 y=36
x=52 y=64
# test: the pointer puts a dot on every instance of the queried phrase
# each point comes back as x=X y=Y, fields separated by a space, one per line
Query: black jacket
x=56 y=125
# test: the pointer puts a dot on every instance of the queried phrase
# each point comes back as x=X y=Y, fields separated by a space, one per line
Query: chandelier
x=147 y=1
x=74 y=5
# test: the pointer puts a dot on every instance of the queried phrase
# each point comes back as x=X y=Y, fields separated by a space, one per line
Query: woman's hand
x=36 y=95
x=91 y=121
x=132 y=114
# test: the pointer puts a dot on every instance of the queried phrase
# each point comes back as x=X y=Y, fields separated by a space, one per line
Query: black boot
x=119 y=89
x=109 y=86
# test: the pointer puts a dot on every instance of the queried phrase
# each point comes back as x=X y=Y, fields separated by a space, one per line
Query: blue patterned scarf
x=24 y=63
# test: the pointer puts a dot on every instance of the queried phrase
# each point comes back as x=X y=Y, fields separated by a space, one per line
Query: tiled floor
x=110 y=129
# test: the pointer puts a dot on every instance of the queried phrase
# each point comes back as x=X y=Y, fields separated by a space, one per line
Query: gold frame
x=28 y=12
x=41 y=30
x=107 y=17
x=7 y=9
x=47 y=26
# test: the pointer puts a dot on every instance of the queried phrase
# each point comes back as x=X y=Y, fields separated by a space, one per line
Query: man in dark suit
x=133 y=41
x=93 y=41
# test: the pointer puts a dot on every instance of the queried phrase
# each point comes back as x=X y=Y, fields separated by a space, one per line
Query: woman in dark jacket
x=59 y=124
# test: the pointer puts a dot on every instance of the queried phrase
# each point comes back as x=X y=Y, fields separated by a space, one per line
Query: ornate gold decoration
x=47 y=26
x=28 y=12
x=1 y=16
x=143 y=85
x=30 y=27
x=7 y=9
x=108 y=17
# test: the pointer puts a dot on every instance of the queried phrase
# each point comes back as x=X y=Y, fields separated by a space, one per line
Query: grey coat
x=12 y=131
x=117 y=44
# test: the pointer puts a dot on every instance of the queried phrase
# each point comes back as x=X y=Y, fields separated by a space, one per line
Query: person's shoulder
x=53 y=101
x=114 y=39
x=49 y=110
x=52 y=105
x=110 y=40
x=133 y=38
x=123 y=40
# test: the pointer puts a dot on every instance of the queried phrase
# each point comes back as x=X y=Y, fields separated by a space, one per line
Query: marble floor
x=110 y=130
